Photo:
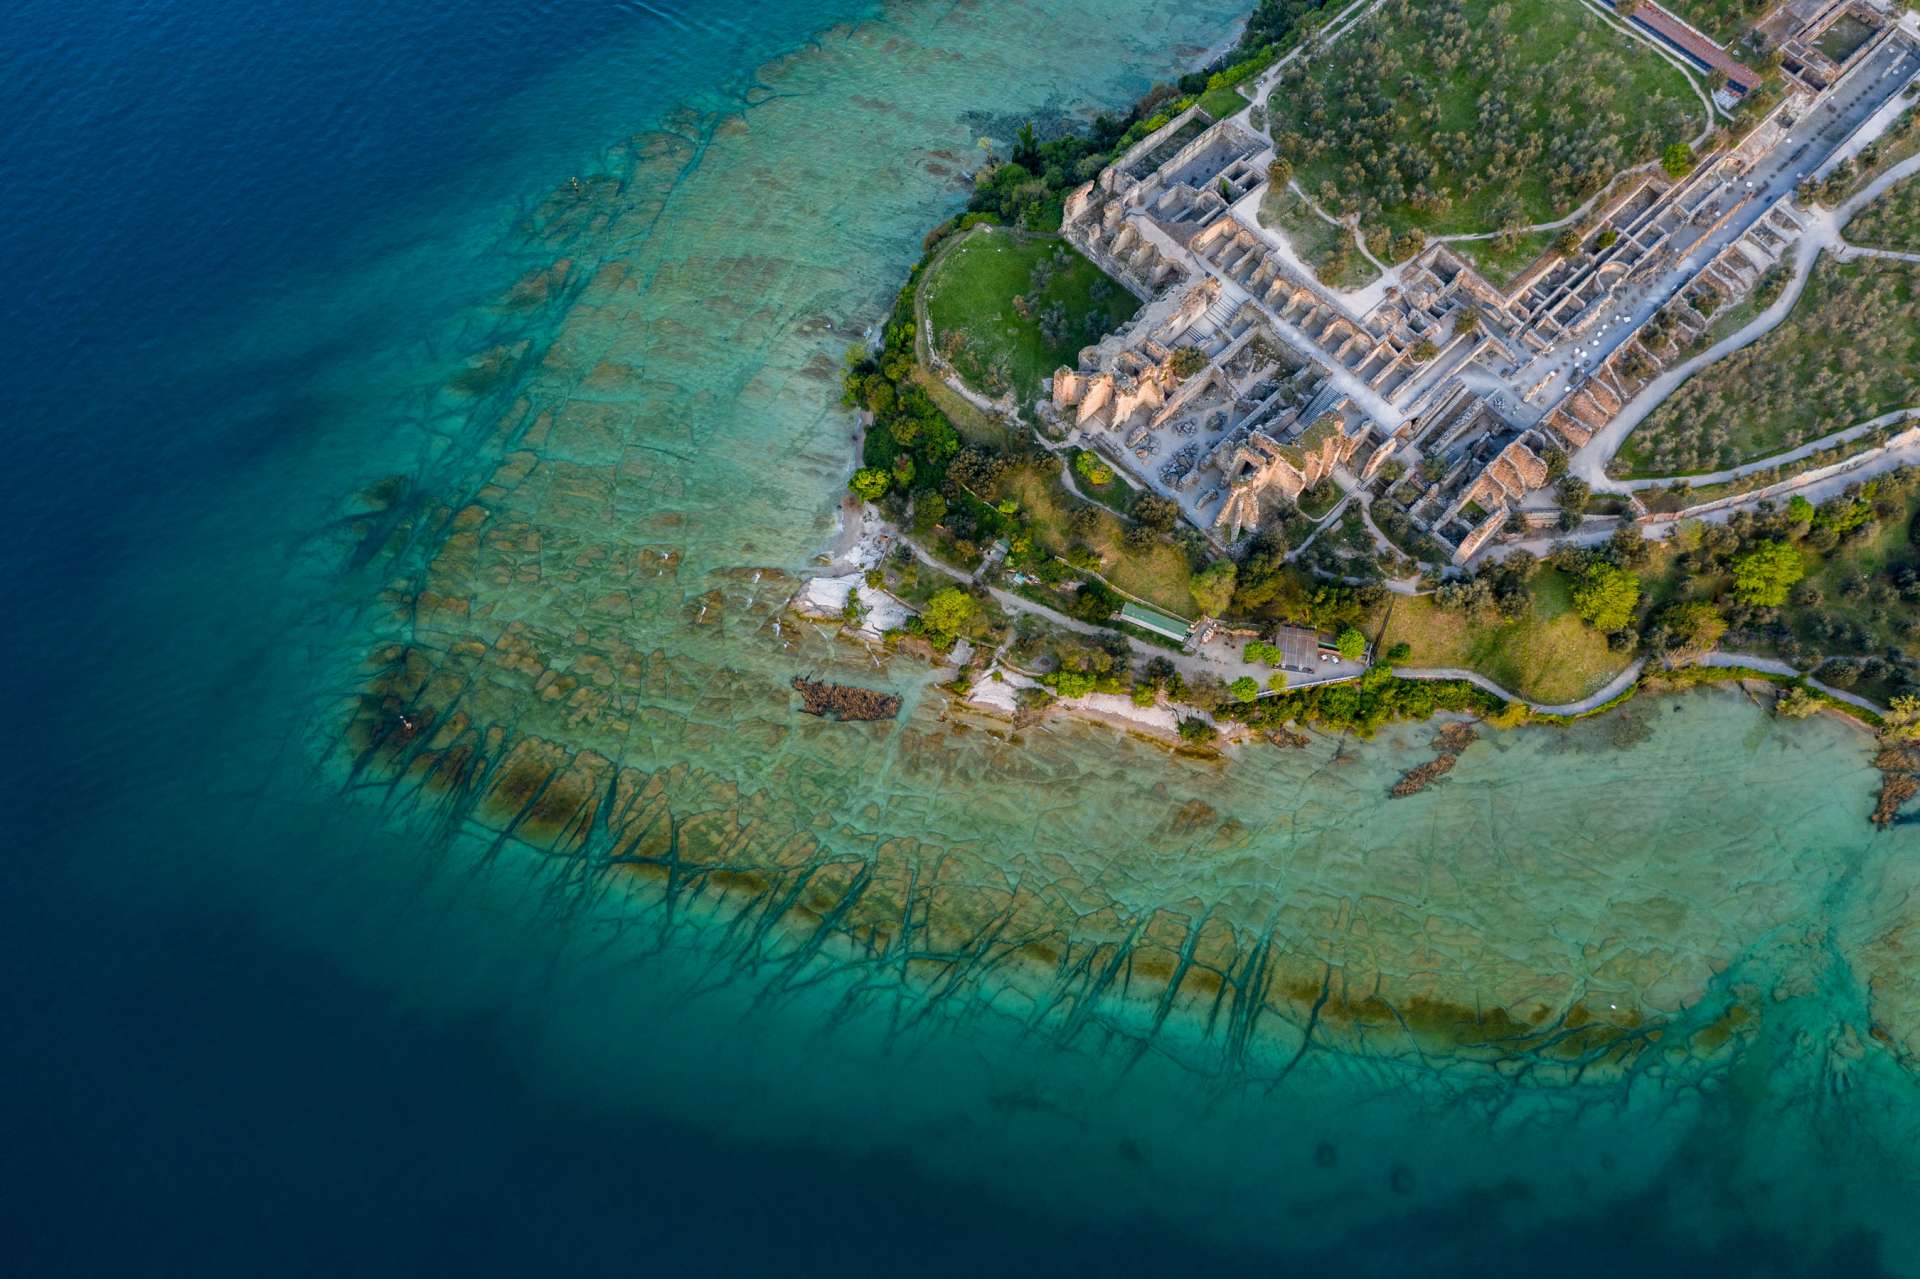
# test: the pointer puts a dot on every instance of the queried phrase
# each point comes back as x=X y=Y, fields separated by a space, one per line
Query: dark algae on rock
x=1449 y=741
x=844 y=701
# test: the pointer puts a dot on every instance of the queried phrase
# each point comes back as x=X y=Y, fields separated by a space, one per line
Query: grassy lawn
x=1549 y=656
x=1116 y=494
x=1849 y=351
x=1841 y=40
x=1892 y=221
x=1472 y=115
x=1159 y=575
x=1327 y=248
x=1724 y=20
x=1008 y=309
x=1223 y=102
x=976 y=426
x=1500 y=265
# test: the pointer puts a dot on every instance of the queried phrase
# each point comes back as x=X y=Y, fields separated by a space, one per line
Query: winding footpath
x=1631 y=675
x=1808 y=449
x=1773 y=666
x=1592 y=701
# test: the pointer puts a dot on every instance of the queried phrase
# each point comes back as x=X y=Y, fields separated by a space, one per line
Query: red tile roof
x=1693 y=44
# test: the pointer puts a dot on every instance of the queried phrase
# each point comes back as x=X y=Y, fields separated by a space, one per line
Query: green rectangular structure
x=1157 y=622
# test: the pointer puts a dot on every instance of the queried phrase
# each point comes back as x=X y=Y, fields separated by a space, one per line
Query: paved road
x=1848 y=252
x=1625 y=680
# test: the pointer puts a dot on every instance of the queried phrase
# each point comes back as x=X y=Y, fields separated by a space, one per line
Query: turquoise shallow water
x=540 y=462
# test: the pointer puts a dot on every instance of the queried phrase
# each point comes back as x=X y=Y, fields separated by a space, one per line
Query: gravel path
x=1775 y=666
x=1610 y=690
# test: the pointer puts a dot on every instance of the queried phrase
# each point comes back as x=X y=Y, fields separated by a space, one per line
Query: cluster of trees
x=1393 y=520
x=946 y=615
x=1029 y=187
x=1266 y=588
x=945 y=611
x=1754 y=581
x=1881 y=217
x=1212 y=587
x=1075 y=664
x=911 y=442
x=979 y=504
x=956 y=499
x=1850 y=351
x=1893 y=220
x=1154 y=520
x=1722 y=19
x=1377 y=698
x=1500 y=588
x=1276 y=22
x=1381 y=121
x=1606 y=587
x=1782 y=583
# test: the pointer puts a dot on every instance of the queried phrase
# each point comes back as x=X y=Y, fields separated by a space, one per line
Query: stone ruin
x=1491 y=466
x=1260 y=472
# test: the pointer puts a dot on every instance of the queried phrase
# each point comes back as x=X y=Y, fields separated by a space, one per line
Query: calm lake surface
x=479 y=365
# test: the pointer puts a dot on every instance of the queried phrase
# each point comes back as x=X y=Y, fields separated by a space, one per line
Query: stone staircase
x=1211 y=322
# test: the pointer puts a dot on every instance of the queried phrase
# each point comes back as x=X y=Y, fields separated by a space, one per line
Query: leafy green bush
x=1090 y=468
x=1194 y=729
x=948 y=612
x=1070 y=683
x=1262 y=652
x=1606 y=596
x=1763 y=575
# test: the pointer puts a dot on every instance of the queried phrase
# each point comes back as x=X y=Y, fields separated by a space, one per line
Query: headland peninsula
x=1419 y=357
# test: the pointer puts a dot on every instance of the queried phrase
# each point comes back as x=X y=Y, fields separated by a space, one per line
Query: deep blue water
x=185 y=1094
x=231 y=238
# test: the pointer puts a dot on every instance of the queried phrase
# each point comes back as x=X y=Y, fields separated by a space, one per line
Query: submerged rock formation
x=1449 y=741
x=844 y=701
